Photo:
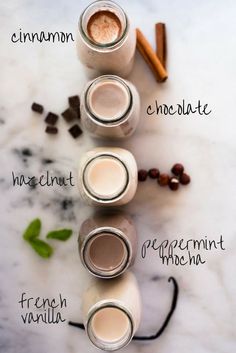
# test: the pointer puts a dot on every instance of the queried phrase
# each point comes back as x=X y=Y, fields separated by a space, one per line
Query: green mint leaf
x=61 y=234
x=42 y=249
x=33 y=230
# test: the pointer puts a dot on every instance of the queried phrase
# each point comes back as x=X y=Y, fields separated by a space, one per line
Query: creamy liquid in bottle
x=109 y=100
x=107 y=243
x=113 y=318
x=106 y=252
x=105 y=177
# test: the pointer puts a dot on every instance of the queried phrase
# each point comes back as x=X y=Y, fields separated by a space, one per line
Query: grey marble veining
x=201 y=65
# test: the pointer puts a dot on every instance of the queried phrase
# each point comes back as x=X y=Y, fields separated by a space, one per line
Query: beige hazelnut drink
x=110 y=107
x=106 y=42
x=112 y=311
x=107 y=244
x=107 y=176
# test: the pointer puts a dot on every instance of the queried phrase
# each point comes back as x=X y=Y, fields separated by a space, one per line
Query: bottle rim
x=97 y=197
x=97 y=119
x=98 y=342
x=94 y=269
x=107 y=5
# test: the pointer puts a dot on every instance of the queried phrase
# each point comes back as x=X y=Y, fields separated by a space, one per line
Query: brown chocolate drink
x=107 y=244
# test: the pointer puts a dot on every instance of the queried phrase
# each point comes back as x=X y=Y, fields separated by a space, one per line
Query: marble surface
x=201 y=65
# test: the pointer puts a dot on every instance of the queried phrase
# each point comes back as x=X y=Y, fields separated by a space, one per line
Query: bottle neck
x=121 y=328
x=102 y=7
x=111 y=260
x=117 y=95
x=105 y=178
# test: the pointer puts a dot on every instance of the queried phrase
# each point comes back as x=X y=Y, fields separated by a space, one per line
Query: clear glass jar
x=110 y=107
x=108 y=244
x=112 y=311
x=107 y=176
x=115 y=57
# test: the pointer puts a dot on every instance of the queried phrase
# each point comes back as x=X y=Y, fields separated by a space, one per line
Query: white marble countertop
x=201 y=65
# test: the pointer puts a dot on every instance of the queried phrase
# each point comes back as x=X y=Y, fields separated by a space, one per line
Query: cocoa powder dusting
x=104 y=27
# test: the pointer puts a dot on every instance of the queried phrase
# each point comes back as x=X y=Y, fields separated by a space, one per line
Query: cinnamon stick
x=160 y=30
x=150 y=57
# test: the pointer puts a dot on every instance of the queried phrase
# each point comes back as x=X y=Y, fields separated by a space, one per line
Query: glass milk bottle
x=110 y=107
x=112 y=311
x=106 y=41
x=107 y=244
x=107 y=176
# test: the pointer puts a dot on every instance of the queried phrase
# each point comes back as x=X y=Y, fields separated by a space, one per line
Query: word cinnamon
x=150 y=57
x=161 y=52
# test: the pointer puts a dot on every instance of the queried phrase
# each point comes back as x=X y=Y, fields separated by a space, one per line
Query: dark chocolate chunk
x=51 y=118
x=74 y=102
x=51 y=130
x=75 y=131
x=37 y=108
x=78 y=114
x=26 y=152
x=69 y=115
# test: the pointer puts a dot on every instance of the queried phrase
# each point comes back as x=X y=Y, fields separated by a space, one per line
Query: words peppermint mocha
x=182 y=251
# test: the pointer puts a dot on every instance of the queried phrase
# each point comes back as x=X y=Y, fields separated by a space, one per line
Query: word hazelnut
x=174 y=184
x=142 y=175
x=154 y=173
x=163 y=179
x=177 y=169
